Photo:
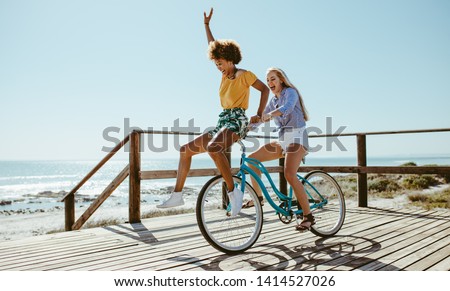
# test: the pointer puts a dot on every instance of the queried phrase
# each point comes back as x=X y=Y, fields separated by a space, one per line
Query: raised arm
x=207 y=19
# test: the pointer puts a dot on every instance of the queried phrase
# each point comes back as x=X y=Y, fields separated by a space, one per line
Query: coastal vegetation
x=426 y=191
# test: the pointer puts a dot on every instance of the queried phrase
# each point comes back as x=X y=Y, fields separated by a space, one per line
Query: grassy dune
x=427 y=191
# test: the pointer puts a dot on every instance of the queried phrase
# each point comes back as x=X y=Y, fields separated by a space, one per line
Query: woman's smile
x=274 y=83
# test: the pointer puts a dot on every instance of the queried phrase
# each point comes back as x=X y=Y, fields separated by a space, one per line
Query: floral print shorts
x=234 y=119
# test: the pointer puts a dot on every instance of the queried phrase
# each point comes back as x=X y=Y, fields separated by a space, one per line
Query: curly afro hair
x=226 y=49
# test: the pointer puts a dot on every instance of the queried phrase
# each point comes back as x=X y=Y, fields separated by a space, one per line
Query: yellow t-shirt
x=235 y=93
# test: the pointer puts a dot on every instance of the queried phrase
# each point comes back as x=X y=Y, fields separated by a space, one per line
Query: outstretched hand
x=207 y=19
x=255 y=119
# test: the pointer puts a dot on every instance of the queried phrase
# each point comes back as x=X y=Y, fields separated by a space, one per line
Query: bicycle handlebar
x=242 y=145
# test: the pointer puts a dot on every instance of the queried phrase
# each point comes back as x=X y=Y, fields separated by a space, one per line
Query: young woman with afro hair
x=232 y=125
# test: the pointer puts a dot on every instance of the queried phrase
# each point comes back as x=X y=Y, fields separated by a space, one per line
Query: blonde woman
x=288 y=111
x=232 y=124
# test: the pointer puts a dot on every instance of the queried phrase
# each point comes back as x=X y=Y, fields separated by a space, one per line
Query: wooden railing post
x=283 y=182
x=134 y=204
x=69 y=212
x=362 y=177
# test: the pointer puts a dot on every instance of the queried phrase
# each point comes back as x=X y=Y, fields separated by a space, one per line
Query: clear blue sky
x=71 y=69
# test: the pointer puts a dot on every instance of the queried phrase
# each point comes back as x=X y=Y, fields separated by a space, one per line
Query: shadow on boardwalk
x=371 y=239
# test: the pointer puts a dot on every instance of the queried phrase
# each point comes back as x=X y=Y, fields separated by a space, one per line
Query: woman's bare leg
x=294 y=156
x=267 y=152
x=187 y=151
x=216 y=149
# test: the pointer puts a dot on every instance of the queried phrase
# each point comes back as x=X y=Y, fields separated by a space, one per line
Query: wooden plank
x=134 y=201
x=181 y=249
x=412 y=253
x=443 y=265
x=431 y=258
x=314 y=136
x=293 y=248
x=175 y=243
x=167 y=174
x=34 y=261
x=362 y=177
x=285 y=241
x=419 y=170
x=47 y=247
x=197 y=260
x=324 y=256
x=399 y=132
x=163 y=254
x=267 y=241
x=43 y=262
x=272 y=229
x=384 y=222
x=383 y=132
x=216 y=252
x=101 y=198
x=392 y=243
x=126 y=238
x=387 y=248
x=69 y=212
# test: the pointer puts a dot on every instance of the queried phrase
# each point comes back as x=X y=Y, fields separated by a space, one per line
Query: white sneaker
x=176 y=199
x=236 y=199
x=232 y=203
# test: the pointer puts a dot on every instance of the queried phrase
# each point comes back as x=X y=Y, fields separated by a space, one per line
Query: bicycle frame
x=244 y=168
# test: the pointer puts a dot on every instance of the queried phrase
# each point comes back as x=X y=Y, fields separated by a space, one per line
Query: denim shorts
x=233 y=119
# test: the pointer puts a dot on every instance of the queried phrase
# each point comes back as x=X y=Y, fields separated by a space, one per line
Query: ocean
x=38 y=185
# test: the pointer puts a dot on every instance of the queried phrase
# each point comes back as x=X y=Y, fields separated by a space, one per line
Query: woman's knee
x=290 y=175
x=187 y=151
x=214 y=148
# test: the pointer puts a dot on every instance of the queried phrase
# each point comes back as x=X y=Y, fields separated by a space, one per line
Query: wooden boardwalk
x=371 y=239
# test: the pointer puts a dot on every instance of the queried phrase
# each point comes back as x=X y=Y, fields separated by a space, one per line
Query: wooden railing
x=133 y=170
x=69 y=198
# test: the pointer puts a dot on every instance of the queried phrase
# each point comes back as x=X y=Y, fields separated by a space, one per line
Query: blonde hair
x=283 y=77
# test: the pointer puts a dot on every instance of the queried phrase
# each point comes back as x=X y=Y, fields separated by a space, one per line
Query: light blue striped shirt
x=289 y=104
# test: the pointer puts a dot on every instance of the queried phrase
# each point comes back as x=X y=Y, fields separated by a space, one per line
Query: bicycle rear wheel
x=228 y=234
x=327 y=203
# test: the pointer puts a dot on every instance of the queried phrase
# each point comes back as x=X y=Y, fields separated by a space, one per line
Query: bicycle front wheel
x=231 y=235
x=327 y=203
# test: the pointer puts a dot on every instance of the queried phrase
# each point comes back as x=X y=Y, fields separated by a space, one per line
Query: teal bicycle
x=233 y=235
